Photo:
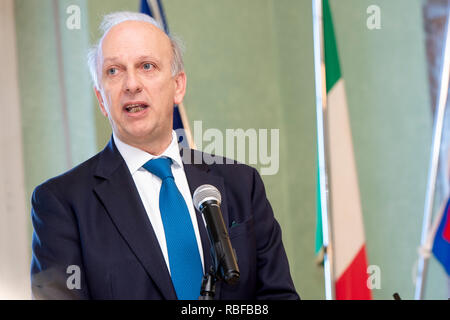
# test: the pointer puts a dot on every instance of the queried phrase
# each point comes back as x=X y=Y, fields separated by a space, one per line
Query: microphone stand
x=208 y=288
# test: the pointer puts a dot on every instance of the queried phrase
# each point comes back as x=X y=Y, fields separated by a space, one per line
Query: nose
x=132 y=83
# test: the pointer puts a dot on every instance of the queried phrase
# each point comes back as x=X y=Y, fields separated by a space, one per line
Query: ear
x=180 y=87
x=98 y=94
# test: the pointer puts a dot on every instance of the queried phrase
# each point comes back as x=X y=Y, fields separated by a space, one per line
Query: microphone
x=207 y=200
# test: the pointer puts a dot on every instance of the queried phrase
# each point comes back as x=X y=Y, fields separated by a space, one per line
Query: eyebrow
x=140 y=58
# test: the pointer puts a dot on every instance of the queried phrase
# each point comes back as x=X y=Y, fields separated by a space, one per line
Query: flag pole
x=187 y=127
x=321 y=103
x=425 y=244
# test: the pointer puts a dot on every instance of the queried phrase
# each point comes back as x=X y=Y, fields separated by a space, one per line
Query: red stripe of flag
x=446 y=231
x=352 y=284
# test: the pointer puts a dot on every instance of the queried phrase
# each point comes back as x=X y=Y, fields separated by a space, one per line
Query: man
x=122 y=225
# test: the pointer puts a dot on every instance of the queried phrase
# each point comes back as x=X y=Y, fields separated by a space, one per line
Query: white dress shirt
x=148 y=186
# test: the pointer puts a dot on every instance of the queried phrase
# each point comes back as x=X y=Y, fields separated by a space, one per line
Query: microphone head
x=204 y=193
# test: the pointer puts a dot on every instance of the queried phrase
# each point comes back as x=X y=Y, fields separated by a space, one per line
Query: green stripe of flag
x=333 y=70
x=333 y=74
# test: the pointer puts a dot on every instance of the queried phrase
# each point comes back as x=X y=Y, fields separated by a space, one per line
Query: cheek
x=162 y=91
x=112 y=102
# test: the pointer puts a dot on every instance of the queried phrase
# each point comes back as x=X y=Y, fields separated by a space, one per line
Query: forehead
x=135 y=38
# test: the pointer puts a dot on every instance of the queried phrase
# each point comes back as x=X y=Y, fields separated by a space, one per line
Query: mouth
x=135 y=107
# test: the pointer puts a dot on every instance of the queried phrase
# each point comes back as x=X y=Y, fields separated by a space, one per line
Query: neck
x=154 y=147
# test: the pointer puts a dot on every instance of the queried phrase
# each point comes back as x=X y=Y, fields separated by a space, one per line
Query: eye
x=111 y=71
x=147 y=66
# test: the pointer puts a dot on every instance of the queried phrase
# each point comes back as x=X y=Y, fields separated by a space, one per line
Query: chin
x=145 y=136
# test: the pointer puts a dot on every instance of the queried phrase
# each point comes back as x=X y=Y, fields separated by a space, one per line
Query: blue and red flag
x=441 y=243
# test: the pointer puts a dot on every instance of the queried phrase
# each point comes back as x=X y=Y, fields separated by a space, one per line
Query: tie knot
x=159 y=167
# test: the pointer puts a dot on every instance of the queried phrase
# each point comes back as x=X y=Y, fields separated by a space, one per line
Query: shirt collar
x=135 y=158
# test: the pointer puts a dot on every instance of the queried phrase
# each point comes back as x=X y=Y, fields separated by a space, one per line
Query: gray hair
x=112 y=19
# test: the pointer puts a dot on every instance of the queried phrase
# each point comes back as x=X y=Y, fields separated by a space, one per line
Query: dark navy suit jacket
x=93 y=240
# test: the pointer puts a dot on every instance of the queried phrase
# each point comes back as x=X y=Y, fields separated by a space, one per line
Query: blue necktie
x=184 y=259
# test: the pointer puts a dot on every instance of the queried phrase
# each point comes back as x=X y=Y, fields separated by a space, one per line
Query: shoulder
x=232 y=171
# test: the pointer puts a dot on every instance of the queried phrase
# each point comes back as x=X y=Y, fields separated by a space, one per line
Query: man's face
x=137 y=89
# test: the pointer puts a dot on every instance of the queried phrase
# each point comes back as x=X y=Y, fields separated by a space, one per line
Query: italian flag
x=347 y=249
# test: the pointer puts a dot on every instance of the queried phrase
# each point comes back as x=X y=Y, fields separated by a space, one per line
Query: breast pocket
x=241 y=228
x=243 y=241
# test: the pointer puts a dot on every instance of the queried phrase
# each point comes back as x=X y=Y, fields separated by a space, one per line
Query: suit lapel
x=121 y=199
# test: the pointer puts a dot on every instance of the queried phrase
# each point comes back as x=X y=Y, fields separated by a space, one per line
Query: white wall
x=14 y=216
